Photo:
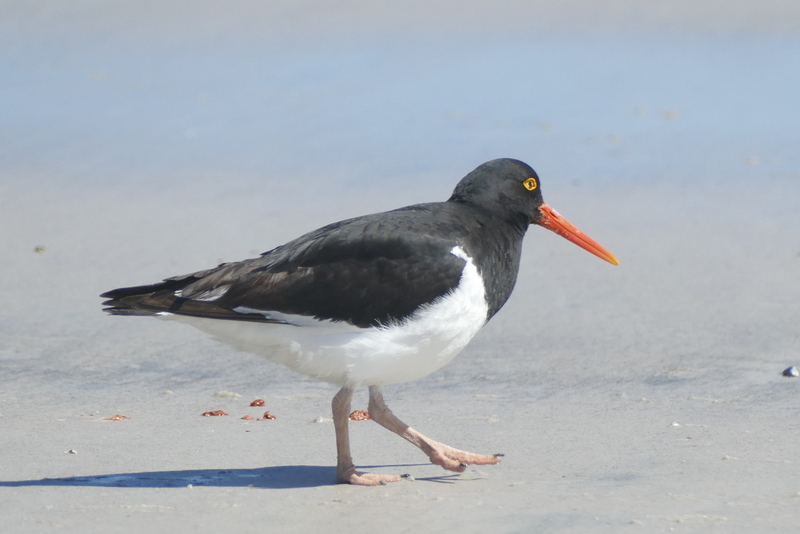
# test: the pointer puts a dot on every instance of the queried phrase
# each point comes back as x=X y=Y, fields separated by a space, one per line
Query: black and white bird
x=374 y=300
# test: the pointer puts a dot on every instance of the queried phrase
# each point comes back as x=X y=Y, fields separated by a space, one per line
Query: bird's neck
x=497 y=247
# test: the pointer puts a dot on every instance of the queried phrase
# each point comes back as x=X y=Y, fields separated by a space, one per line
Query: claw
x=499 y=455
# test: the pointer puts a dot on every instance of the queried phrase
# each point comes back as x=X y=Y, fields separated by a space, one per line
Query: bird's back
x=366 y=271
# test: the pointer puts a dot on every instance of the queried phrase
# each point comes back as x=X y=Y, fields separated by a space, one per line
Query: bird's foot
x=458 y=460
x=357 y=478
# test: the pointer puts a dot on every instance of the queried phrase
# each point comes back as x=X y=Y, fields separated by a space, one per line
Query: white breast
x=344 y=354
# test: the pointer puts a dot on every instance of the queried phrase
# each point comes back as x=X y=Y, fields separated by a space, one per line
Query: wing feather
x=367 y=271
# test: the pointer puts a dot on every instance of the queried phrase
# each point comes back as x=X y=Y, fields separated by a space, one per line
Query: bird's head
x=511 y=189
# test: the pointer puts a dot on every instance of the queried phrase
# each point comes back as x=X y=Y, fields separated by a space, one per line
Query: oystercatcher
x=374 y=300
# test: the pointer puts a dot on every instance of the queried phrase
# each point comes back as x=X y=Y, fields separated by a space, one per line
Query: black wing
x=367 y=271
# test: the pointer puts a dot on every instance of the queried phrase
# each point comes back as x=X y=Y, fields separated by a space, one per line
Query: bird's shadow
x=277 y=477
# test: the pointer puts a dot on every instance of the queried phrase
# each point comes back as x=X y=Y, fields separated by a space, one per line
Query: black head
x=509 y=188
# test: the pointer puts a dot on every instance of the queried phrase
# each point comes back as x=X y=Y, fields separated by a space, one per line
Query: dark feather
x=367 y=271
x=370 y=270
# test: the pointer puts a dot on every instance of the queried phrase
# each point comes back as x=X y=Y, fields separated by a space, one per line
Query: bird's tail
x=139 y=300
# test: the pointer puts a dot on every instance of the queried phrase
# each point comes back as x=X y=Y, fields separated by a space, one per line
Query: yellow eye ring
x=530 y=184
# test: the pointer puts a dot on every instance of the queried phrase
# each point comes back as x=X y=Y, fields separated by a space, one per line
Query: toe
x=368 y=479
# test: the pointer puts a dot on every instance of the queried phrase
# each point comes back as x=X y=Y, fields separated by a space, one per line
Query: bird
x=373 y=300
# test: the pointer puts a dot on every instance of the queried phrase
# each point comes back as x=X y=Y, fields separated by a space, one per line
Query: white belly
x=347 y=355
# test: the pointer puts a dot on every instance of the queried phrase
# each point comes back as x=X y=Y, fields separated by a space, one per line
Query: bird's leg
x=439 y=453
x=345 y=470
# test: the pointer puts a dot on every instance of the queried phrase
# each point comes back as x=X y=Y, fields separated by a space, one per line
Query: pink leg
x=439 y=453
x=345 y=470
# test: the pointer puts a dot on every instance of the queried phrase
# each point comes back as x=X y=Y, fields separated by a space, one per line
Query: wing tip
x=128 y=310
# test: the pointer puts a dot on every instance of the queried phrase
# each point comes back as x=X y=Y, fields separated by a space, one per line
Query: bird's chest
x=498 y=255
x=426 y=341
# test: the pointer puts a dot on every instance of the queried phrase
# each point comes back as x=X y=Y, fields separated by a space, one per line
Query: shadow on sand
x=278 y=477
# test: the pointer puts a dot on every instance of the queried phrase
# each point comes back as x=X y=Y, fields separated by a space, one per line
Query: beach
x=144 y=143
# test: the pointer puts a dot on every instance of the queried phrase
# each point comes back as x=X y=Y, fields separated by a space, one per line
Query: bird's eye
x=530 y=184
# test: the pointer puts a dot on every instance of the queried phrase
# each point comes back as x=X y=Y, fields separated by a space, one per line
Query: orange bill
x=552 y=220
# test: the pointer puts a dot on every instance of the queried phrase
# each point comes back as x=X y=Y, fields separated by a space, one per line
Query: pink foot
x=351 y=476
x=458 y=460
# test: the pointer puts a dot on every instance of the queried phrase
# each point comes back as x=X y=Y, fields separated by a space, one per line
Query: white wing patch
x=204 y=296
x=286 y=318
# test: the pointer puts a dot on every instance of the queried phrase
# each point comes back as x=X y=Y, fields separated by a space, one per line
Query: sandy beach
x=141 y=144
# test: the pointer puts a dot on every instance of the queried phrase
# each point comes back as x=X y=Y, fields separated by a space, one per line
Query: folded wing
x=366 y=271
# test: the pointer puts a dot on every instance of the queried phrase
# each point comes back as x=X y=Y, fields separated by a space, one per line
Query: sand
x=645 y=398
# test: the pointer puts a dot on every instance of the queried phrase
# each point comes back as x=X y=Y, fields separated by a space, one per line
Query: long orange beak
x=552 y=220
